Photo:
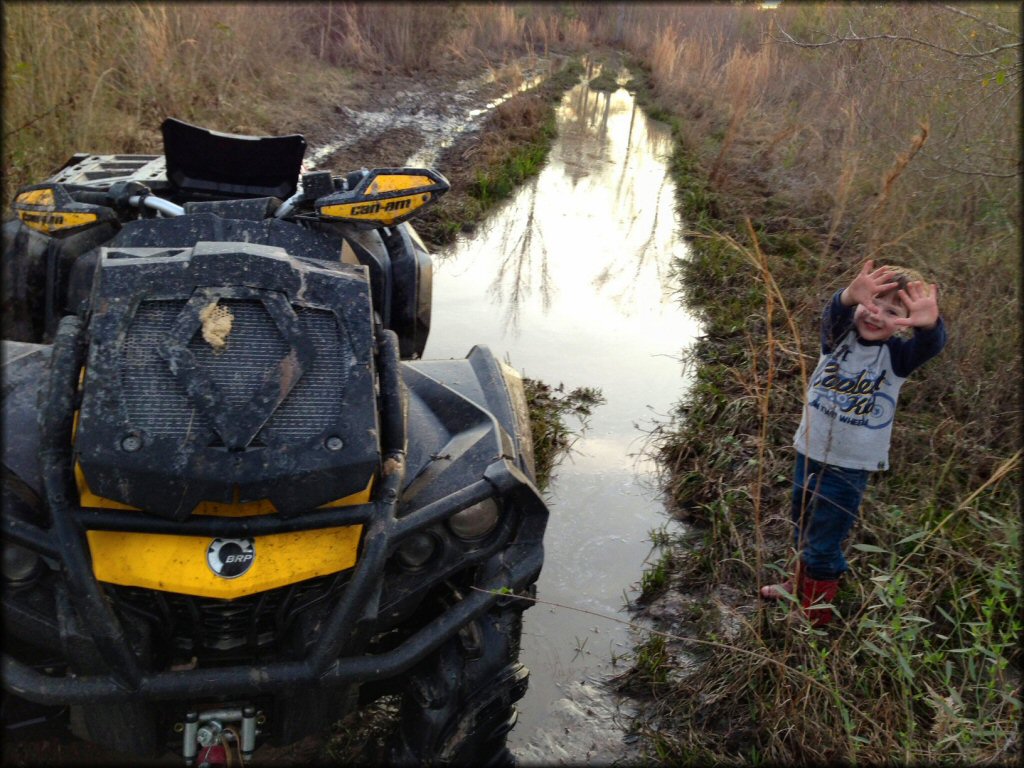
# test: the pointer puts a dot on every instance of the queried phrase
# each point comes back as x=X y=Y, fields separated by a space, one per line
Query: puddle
x=570 y=282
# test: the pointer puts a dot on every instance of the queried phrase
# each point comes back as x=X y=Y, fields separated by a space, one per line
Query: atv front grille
x=158 y=403
x=198 y=625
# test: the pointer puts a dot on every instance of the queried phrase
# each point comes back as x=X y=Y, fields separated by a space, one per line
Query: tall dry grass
x=518 y=28
x=384 y=36
x=923 y=663
x=102 y=76
x=489 y=28
x=970 y=100
x=900 y=142
x=829 y=135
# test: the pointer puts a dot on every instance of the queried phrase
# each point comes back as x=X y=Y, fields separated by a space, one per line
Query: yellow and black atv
x=236 y=504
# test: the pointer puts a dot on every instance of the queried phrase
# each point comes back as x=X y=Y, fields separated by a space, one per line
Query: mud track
x=390 y=120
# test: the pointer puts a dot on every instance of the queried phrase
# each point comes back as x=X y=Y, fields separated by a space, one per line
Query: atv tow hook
x=212 y=730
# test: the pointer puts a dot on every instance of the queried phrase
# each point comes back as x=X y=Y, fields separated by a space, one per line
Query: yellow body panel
x=44 y=216
x=37 y=197
x=90 y=500
x=174 y=563
x=178 y=563
x=52 y=221
x=389 y=182
x=362 y=497
x=266 y=506
x=383 y=211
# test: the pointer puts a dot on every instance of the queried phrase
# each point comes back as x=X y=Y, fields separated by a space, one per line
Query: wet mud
x=571 y=282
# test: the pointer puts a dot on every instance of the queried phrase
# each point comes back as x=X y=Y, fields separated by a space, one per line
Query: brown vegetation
x=102 y=76
x=810 y=137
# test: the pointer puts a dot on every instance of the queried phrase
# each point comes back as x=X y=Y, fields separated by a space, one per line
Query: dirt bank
x=485 y=131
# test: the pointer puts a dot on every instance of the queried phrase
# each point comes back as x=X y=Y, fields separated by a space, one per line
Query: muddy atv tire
x=459 y=704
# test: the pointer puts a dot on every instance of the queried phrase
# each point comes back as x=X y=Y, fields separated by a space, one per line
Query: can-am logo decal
x=230 y=558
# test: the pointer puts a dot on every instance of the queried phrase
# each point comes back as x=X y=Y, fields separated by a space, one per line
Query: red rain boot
x=815 y=593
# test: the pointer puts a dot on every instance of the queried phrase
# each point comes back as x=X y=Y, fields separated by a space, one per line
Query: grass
x=654 y=579
x=923 y=666
x=930 y=616
x=549 y=408
x=793 y=164
x=604 y=82
x=102 y=76
x=783 y=198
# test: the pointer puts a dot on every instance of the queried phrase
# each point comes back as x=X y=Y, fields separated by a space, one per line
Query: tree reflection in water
x=569 y=282
x=516 y=262
x=615 y=171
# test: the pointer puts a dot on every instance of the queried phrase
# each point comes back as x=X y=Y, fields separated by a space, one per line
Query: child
x=848 y=416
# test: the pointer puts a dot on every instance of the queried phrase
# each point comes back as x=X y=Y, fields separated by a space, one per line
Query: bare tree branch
x=971 y=16
x=855 y=38
x=975 y=172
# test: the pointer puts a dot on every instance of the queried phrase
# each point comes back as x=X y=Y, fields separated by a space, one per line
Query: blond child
x=847 y=419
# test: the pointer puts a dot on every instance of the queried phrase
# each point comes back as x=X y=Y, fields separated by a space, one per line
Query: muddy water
x=570 y=282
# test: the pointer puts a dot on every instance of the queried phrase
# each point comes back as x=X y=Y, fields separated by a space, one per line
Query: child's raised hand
x=867 y=284
x=922 y=303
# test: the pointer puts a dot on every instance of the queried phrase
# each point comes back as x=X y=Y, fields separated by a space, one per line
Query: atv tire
x=459 y=704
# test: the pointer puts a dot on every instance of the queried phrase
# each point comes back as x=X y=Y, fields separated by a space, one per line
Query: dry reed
x=929 y=614
x=809 y=122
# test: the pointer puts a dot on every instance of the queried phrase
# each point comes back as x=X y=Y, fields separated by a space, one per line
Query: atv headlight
x=475 y=521
x=416 y=550
x=19 y=563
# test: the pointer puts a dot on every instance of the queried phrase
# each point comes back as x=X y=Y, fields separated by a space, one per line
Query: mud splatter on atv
x=237 y=505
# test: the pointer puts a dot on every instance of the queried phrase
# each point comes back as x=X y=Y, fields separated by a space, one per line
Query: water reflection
x=524 y=242
x=601 y=209
x=570 y=283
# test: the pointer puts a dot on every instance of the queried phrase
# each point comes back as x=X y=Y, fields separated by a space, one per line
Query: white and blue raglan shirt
x=851 y=398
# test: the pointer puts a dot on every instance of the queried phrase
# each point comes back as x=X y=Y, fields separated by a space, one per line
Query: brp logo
x=230 y=558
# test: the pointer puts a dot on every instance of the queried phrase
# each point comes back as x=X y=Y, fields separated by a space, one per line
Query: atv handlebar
x=157 y=204
x=133 y=195
x=382 y=197
x=92 y=198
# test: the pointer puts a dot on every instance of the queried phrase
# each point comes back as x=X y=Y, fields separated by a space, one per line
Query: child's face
x=878 y=326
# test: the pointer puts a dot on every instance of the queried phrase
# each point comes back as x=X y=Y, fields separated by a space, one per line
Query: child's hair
x=903 y=276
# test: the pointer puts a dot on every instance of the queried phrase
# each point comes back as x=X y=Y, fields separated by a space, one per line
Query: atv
x=237 y=504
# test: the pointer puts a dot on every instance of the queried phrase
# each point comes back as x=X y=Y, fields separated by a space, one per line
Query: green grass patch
x=552 y=409
x=922 y=665
x=604 y=82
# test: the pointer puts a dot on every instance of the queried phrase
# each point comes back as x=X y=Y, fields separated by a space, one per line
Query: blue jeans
x=826 y=502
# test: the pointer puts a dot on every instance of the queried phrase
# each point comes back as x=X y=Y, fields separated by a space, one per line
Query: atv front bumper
x=339 y=656
x=327 y=666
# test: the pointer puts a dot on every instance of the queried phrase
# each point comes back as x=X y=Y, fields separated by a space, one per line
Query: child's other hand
x=922 y=303
x=868 y=284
